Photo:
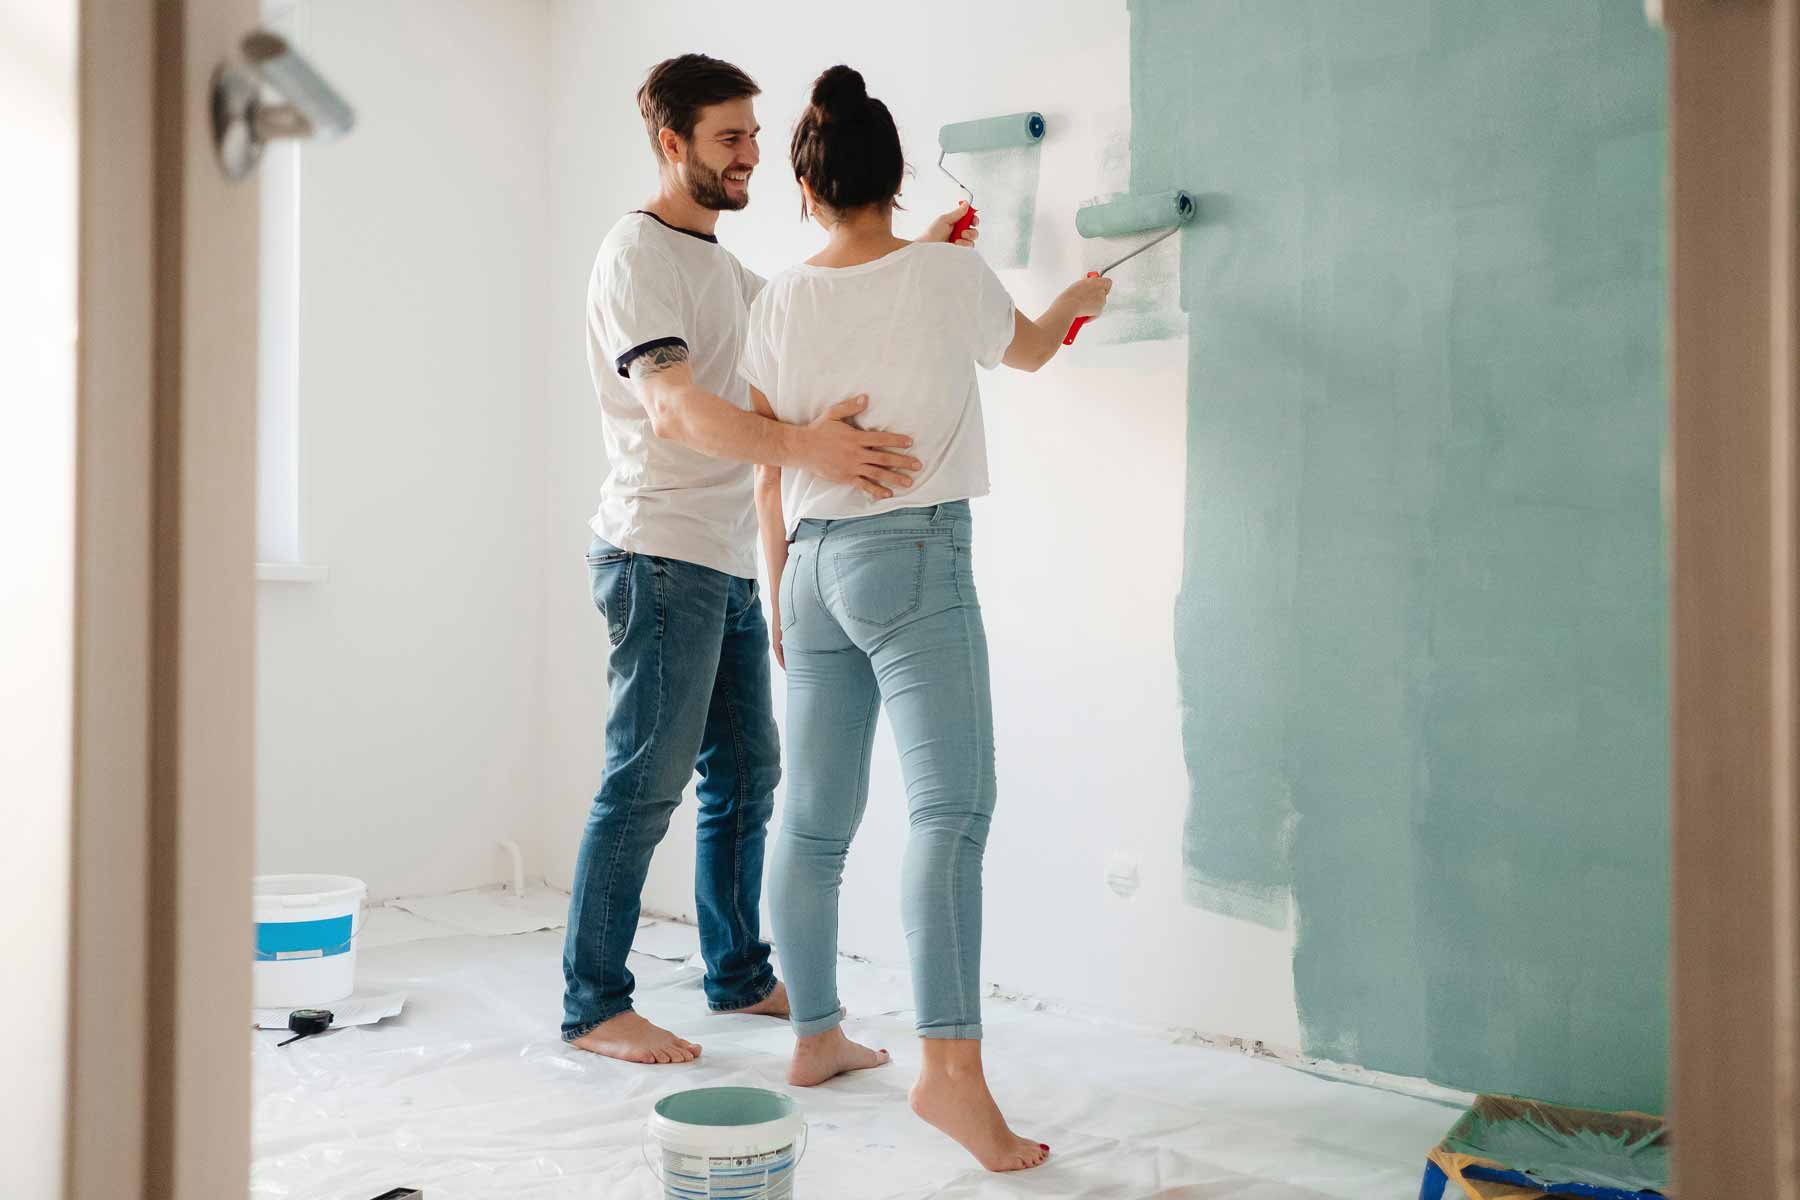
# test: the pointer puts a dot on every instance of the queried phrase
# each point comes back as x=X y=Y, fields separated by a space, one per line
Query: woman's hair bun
x=839 y=88
x=845 y=146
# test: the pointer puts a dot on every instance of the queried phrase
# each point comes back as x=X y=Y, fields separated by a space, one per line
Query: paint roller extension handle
x=962 y=224
x=1075 y=328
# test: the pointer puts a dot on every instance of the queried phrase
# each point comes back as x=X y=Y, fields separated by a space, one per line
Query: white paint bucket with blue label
x=727 y=1142
x=306 y=930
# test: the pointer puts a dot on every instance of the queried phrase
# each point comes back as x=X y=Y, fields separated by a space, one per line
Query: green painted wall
x=1421 y=631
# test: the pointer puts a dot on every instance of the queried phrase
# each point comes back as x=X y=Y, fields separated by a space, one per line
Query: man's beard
x=707 y=188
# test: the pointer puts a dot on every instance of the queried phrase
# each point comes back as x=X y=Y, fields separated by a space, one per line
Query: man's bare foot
x=775 y=1004
x=630 y=1038
x=827 y=1055
x=952 y=1094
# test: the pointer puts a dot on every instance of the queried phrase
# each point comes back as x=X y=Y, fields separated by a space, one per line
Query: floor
x=470 y=1092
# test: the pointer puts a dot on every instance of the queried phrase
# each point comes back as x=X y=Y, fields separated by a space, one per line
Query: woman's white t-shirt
x=908 y=329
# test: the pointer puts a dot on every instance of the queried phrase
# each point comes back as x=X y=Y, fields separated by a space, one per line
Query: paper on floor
x=492 y=913
x=357 y=1010
x=475 y=1096
x=385 y=926
x=667 y=940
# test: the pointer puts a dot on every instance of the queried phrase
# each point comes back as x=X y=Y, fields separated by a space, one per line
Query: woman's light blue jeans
x=882 y=611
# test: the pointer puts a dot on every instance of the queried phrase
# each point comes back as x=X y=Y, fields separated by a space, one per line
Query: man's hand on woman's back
x=838 y=452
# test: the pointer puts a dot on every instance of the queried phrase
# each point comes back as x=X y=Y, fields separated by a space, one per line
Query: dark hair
x=845 y=146
x=676 y=89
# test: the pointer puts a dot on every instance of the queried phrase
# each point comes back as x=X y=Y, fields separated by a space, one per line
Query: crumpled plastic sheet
x=472 y=1094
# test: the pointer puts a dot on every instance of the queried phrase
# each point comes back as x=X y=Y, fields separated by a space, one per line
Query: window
x=279 y=548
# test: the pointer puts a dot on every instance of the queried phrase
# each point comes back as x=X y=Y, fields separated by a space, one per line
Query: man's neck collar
x=678 y=211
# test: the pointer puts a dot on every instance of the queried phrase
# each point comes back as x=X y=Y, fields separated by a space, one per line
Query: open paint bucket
x=306 y=930
x=734 y=1142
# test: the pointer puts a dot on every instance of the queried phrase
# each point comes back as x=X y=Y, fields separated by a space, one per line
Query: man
x=673 y=570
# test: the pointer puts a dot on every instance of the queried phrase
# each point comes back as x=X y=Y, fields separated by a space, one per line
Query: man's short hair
x=676 y=89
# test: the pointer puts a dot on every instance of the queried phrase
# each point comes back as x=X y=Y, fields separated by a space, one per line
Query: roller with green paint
x=1128 y=215
x=990 y=133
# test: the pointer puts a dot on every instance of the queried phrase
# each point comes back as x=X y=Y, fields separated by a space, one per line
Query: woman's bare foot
x=630 y=1038
x=827 y=1055
x=775 y=1004
x=952 y=1094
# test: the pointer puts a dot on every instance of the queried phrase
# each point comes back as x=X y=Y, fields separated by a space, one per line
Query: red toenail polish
x=1043 y=1147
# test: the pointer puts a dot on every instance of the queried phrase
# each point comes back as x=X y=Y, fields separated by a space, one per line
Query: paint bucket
x=306 y=930
x=734 y=1142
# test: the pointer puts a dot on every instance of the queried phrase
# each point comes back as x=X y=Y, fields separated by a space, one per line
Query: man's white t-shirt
x=655 y=285
x=909 y=329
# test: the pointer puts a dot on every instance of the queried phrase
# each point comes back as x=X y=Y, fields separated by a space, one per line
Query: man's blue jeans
x=689 y=684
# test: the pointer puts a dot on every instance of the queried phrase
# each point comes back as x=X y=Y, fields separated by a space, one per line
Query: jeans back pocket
x=881 y=584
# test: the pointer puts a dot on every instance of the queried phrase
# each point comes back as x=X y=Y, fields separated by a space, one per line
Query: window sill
x=267 y=572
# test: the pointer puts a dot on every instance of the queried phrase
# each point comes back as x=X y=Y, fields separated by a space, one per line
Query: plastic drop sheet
x=471 y=1093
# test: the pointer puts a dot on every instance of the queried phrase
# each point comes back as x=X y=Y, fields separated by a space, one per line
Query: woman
x=875 y=601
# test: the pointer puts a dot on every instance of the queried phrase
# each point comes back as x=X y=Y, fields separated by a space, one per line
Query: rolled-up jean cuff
x=952 y=1033
x=763 y=993
x=581 y=1031
x=818 y=1025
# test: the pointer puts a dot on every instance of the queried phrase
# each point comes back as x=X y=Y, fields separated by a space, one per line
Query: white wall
x=1077 y=552
x=37 y=619
x=397 y=701
x=589 y=175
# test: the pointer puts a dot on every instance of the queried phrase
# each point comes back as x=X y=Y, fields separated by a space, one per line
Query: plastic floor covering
x=471 y=1093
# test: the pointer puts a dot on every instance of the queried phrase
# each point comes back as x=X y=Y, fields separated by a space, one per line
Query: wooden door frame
x=159 y=1068
x=1734 y=222
x=159 y=1064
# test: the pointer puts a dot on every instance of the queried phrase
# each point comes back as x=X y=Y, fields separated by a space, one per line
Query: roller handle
x=1069 y=339
x=962 y=224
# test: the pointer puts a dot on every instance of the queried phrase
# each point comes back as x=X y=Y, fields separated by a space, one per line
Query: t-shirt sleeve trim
x=624 y=361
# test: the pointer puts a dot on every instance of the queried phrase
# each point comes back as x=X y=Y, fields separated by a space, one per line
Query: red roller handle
x=962 y=224
x=1074 y=329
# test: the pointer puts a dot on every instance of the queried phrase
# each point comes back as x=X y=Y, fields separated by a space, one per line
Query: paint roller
x=990 y=133
x=1128 y=215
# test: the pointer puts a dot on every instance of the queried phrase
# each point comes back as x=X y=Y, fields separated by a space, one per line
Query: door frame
x=164 y=773
x=159 y=1021
x=1734 y=296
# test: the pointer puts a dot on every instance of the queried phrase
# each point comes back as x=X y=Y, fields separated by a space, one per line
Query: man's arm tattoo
x=658 y=358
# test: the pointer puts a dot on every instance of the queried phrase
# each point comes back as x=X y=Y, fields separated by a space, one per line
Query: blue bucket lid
x=727 y=1107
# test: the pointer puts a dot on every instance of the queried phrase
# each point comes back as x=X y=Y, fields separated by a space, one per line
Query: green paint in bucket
x=727 y=1143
